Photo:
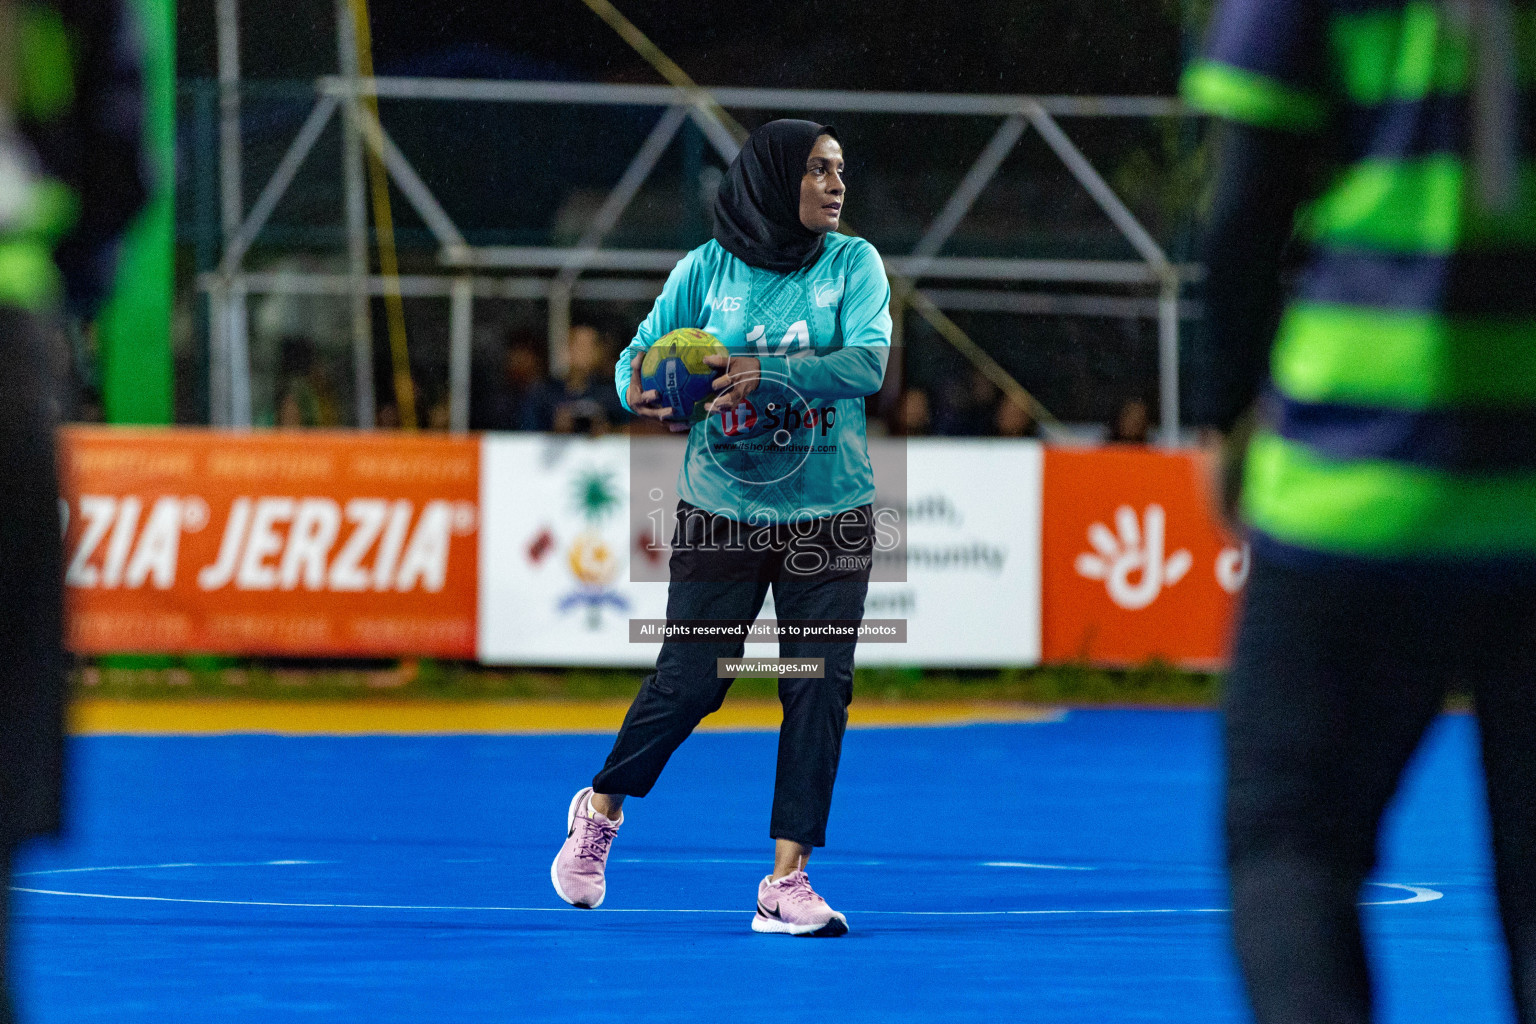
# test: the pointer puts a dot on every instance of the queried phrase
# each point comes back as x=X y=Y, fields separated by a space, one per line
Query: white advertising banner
x=972 y=595
x=554 y=554
x=557 y=538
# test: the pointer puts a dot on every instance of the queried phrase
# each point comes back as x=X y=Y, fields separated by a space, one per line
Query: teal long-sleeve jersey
x=797 y=448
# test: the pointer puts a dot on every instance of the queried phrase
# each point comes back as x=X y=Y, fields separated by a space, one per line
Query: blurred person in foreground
x=804 y=313
x=584 y=401
x=72 y=176
x=1390 y=482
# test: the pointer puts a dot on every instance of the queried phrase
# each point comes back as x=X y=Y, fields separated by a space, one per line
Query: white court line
x=821 y=861
x=347 y=906
x=1043 y=913
x=1419 y=894
x=828 y=862
x=182 y=864
x=824 y=862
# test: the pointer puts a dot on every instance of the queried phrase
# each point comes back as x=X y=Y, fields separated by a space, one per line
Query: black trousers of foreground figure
x=1337 y=674
x=721 y=570
x=31 y=598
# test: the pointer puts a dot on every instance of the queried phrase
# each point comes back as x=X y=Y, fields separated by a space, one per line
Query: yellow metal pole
x=384 y=224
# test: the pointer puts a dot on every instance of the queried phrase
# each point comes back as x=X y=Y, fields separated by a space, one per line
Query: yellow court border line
x=94 y=716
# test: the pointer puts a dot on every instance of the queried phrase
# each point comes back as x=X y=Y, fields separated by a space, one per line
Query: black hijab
x=757 y=210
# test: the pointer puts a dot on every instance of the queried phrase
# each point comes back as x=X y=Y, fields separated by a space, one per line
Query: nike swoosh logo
x=774 y=913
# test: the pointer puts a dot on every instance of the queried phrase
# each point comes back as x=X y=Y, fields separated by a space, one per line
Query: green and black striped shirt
x=1402 y=415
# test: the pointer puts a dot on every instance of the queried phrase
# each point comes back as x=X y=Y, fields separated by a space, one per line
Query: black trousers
x=1335 y=677
x=721 y=570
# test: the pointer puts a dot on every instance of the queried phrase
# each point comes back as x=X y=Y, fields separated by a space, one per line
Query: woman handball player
x=776 y=491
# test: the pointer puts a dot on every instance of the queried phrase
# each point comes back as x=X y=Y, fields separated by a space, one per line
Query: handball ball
x=674 y=368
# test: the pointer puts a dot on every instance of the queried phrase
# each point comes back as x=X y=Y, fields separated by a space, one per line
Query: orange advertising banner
x=1135 y=566
x=302 y=543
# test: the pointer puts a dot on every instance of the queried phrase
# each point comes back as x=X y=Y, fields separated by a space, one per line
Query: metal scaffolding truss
x=554 y=273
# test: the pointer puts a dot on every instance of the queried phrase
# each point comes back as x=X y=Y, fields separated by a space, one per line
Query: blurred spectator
x=289 y=412
x=387 y=417
x=966 y=407
x=306 y=397
x=1013 y=420
x=88 y=407
x=912 y=414
x=440 y=415
x=523 y=397
x=586 y=402
x=1132 y=423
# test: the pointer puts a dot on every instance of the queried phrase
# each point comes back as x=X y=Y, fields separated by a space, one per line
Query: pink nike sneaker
x=578 y=869
x=791 y=907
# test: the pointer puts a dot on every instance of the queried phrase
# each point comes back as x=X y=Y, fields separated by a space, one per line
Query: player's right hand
x=648 y=403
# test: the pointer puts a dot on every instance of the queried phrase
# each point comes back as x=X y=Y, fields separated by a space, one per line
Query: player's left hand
x=1221 y=458
x=648 y=403
x=741 y=377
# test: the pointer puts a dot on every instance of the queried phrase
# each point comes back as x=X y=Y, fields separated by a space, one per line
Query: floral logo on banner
x=1131 y=562
x=593 y=562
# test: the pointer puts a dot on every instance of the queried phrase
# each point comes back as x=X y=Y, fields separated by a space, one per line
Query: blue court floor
x=1062 y=872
